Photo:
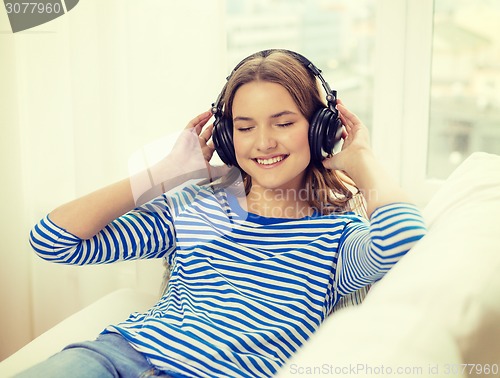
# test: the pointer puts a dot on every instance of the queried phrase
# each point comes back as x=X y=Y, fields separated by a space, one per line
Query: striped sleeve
x=143 y=233
x=368 y=251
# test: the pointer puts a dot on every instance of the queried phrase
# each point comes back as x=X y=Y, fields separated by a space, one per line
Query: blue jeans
x=109 y=355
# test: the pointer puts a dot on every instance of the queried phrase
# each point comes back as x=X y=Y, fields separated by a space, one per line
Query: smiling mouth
x=270 y=161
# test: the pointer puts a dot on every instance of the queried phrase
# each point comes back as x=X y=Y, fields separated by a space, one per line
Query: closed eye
x=285 y=124
x=244 y=129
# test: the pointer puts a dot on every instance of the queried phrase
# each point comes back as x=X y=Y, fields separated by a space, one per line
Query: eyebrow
x=277 y=115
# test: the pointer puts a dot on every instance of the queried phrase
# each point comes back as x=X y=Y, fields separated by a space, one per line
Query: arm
x=86 y=216
x=369 y=250
x=104 y=226
x=146 y=232
x=358 y=161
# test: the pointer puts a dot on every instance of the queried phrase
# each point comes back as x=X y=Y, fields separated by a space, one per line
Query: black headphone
x=325 y=126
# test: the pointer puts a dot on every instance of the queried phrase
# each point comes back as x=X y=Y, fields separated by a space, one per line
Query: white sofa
x=86 y=324
x=436 y=313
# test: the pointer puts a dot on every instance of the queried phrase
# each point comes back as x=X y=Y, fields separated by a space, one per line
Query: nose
x=266 y=139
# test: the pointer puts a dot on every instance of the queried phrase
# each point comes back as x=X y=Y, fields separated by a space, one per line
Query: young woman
x=254 y=273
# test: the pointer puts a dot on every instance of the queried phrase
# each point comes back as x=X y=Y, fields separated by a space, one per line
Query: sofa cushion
x=439 y=306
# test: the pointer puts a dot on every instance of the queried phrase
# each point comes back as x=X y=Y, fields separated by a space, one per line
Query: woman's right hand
x=195 y=127
x=190 y=157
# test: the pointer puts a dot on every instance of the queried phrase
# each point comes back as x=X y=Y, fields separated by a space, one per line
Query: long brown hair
x=328 y=190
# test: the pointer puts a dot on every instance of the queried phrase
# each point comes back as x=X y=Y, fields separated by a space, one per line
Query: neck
x=278 y=203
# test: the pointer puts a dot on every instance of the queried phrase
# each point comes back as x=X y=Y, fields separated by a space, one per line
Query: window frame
x=402 y=92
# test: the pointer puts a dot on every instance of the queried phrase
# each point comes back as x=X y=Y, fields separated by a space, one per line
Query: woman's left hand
x=356 y=141
x=358 y=161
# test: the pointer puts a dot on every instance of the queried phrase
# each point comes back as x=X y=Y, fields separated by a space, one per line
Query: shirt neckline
x=260 y=219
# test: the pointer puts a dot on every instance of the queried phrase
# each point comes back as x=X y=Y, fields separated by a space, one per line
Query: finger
x=350 y=118
x=328 y=163
x=345 y=123
x=199 y=121
x=207 y=154
x=202 y=140
x=211 y=148
x=344 y=133
x=333 y=162
x=210 y=144
x=343 y=117
x=203 y=121
x=207 y=133
x=208 y=150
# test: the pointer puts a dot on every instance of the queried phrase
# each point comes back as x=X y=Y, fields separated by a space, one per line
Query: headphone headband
x=331 y=95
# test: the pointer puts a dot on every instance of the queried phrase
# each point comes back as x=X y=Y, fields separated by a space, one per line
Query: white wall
x=78 y=96
x=15 y=298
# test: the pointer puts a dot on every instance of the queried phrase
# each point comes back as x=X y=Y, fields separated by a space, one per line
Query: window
x=465 y=83
x=423 y=75
x=336 y=35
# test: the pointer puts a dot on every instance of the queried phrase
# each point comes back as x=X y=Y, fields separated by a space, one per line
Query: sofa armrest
x=86 y=324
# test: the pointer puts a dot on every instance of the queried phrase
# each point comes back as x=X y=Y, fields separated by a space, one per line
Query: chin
x=295 y=184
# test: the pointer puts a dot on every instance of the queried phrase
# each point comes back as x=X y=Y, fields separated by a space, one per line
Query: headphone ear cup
x=322 y=134
x=222 y=137
x=315 y=138
x=333 y=125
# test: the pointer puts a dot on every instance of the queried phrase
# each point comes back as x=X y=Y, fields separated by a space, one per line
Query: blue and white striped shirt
x=245 y=291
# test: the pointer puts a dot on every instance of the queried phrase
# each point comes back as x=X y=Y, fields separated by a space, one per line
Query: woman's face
x=270 y=136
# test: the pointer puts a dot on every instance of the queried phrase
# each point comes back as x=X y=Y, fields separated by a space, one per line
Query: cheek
x=237 y=144
x=240 y=144
x=299 y=139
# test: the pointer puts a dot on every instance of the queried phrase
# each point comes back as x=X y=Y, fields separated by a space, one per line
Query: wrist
x=376 y=185
x=361 y=164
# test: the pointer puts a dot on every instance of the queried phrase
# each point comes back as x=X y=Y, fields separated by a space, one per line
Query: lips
x=270 y=160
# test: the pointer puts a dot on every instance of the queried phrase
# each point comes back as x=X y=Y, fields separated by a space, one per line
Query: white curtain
x=78 y=96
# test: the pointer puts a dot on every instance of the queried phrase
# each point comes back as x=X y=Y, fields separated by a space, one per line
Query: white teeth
x=270 y=161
